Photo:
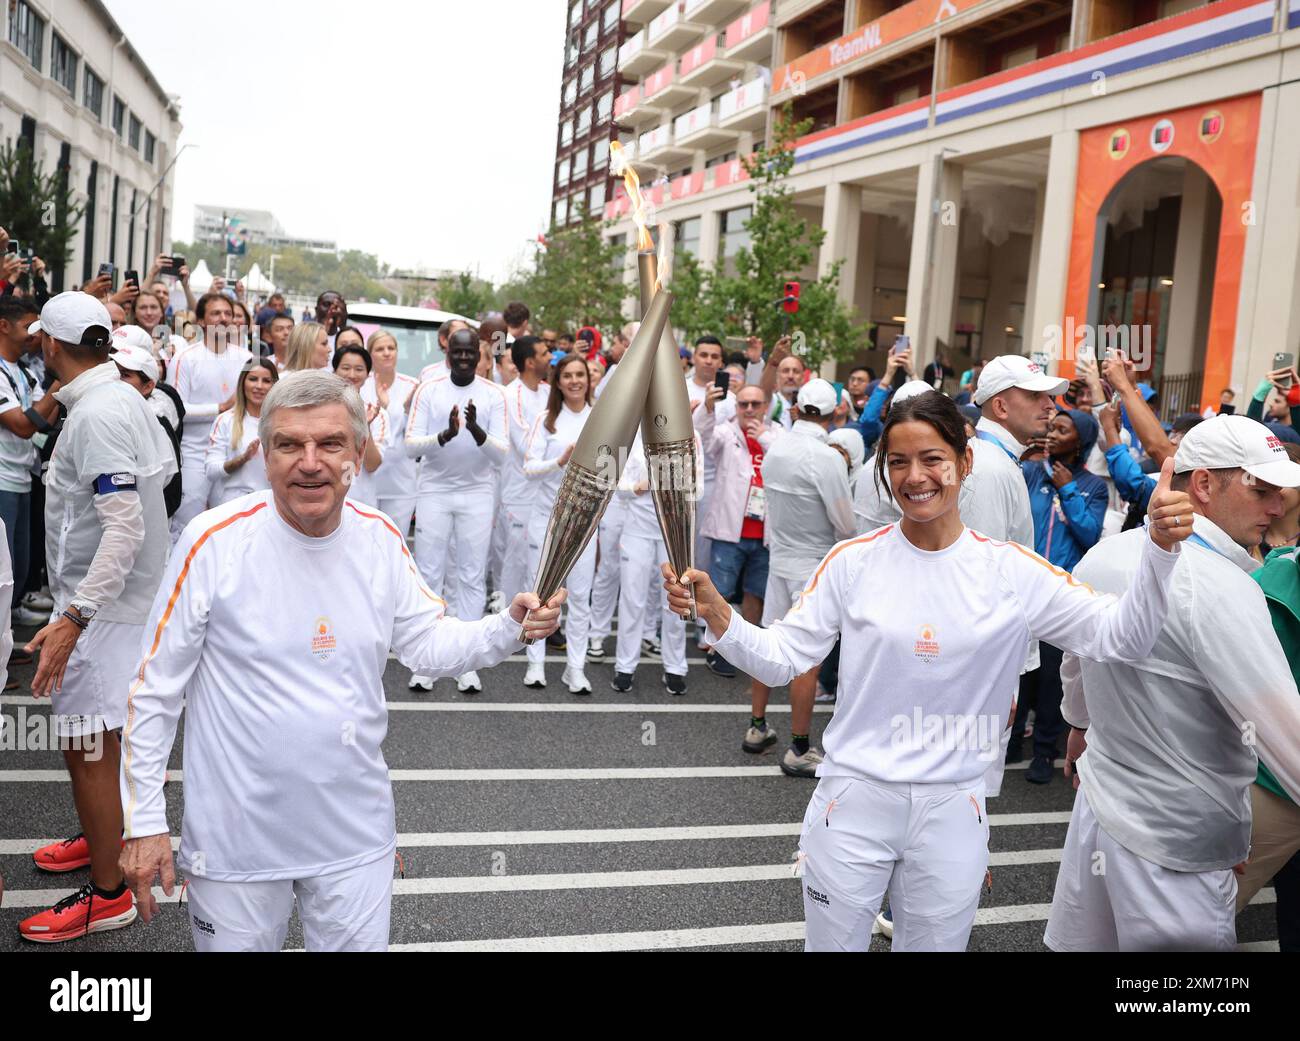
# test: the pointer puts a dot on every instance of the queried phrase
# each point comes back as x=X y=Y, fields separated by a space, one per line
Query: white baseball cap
x=817 y=397
x=1228 y=442
x=132 y=336
x=1011 y=370
x=912 y=389
x=135 y=358
x=66 y=317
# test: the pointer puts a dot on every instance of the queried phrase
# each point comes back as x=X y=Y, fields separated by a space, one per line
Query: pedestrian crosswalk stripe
x=534 y=706
x=591 y=836
x=612 y=773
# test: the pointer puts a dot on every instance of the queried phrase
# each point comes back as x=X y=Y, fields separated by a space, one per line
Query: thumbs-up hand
x=1170 y=512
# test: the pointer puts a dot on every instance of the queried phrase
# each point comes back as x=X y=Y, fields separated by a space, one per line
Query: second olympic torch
x=592 y=472
x=668 y=436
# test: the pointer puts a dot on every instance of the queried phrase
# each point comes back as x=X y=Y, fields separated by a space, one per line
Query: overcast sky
x=420 y=131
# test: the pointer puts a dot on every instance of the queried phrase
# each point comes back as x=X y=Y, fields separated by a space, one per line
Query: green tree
x=36 y=209
x=465 y=295
x=577 y=281
x=782 y=245
x=351 y=272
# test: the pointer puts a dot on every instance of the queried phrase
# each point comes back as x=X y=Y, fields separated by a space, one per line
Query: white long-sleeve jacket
x=932 y=643
x=1173 y=735
x=285 y=715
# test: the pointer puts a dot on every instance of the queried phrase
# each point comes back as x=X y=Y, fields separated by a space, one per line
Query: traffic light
x=790 y=302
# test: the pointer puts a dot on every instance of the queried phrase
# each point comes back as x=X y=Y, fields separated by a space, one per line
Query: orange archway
x=1220 y=138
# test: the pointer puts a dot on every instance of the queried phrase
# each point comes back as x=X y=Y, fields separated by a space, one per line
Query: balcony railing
x=743 y=101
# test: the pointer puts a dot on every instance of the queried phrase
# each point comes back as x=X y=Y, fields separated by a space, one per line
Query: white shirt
x=110 y=440
x=994 y=499
x=364 y=486
x=932 y=643
x=542 y=453
x=435 y=370
x=723 y=411
x=204 y=379
x=1173 y=734
x=284 y=769
x=251 y=477
x=460 y=465
x=809 y=506
x=1003 y=436
x=17 y=454
x=523 y=406
x=397 y=475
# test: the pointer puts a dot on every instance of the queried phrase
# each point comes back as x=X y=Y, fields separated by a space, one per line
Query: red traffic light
x=791 y=298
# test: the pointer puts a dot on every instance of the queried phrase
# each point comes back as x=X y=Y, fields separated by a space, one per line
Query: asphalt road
x=538 y=820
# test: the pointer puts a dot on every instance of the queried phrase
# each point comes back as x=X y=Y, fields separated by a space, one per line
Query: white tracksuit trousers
x=345 y=911
x=639 y=560
x=577 y=605
x=926 y=844
x=453 y=531
x=512 y=521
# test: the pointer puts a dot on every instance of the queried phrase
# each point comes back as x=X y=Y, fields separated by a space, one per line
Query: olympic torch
x=669 y=437
x=599 y=454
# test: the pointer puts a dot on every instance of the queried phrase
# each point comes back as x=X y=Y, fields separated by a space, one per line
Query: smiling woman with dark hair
x=926 y=675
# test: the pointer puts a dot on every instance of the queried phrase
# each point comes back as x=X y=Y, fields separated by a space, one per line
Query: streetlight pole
x=149 y=195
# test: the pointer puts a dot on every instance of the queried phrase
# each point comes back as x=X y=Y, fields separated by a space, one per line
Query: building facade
x=74 y=89
x=590 y=84
x=261 y=226
x=1044 y=177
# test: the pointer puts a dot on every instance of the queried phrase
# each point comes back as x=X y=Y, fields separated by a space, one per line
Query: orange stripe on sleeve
x=1059 y=572
x=405 y=552
x=157 y=640
x=860 y=540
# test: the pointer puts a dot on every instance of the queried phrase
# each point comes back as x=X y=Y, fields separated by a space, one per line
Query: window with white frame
x=27 y=32
x=63 y=64
x=92 y=94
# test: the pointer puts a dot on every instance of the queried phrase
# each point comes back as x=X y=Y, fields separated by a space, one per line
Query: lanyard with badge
x=756 y=500
x=25 y=400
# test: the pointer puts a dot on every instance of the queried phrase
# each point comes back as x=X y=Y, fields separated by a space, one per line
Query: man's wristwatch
x=85 y=613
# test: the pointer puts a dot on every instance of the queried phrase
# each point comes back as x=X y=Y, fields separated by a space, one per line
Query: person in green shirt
x=1275 y=817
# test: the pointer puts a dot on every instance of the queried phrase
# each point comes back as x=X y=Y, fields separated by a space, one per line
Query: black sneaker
x=719 y=666
x=1015 y=753
x=675 y=684
x=556 y=641
x=1040 y=770
x=622 y=682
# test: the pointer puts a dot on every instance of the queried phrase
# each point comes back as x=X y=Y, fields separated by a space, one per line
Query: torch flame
x=665 y=261
x=632 y=183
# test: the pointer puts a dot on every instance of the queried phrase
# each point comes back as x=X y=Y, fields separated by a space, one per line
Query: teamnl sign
x=888 y=28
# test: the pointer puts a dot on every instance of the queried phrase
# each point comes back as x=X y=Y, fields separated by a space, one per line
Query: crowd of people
x=972 y=568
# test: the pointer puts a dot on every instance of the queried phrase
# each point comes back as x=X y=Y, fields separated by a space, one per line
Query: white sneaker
x=595 y=649
x=497 y=602
x=468 y=683
x=24 y=615
x=805 y=765
x=651 y=648
x=885 y=925
x=577 y=681
x=823 y=695
x=535 y=676
x=38 y=602
x=420 y=682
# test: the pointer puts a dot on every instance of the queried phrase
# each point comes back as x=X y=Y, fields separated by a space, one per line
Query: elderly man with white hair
x=274 y=622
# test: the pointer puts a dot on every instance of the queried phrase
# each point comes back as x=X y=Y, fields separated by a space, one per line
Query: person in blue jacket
x=1069 y=506
x=1068 y=502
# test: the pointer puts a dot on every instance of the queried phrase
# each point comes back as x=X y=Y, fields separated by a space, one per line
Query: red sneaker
x=67 y=855
x=79 y=914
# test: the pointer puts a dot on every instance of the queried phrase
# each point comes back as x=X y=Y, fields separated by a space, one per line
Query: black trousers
x=1041 y=691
